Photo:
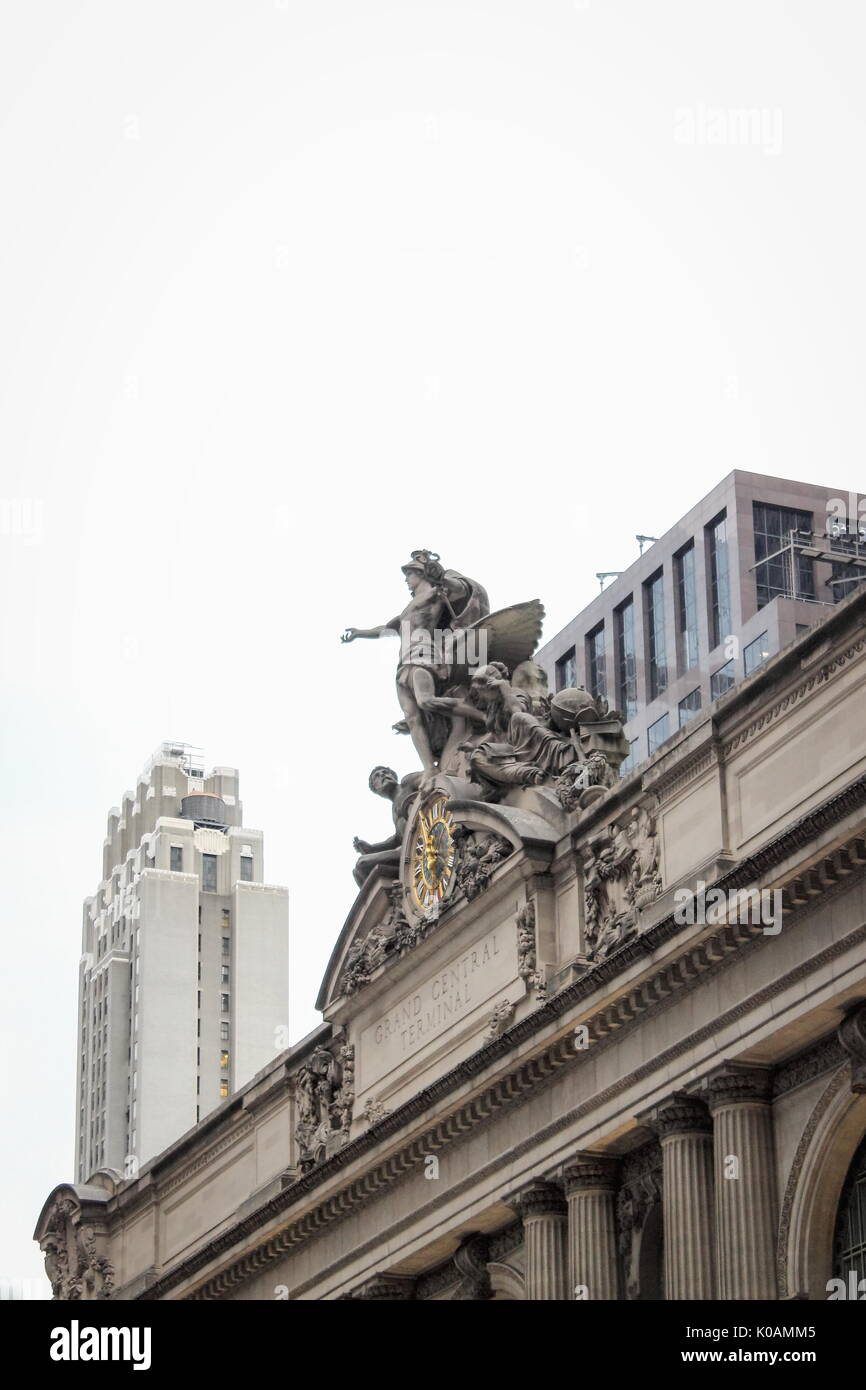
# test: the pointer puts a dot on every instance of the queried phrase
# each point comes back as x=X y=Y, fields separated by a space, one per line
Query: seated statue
x=384 y=782
x=527 y=741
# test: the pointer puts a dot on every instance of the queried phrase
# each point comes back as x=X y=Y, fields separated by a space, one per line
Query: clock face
x=433 y=853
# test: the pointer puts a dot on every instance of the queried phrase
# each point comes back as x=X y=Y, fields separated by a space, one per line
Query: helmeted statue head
x=426 y=563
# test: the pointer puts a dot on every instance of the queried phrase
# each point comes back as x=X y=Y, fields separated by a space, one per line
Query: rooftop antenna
x=645 y=540
x=602 y=575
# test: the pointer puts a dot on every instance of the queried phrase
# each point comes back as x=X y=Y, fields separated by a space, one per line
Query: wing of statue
x=512 y=635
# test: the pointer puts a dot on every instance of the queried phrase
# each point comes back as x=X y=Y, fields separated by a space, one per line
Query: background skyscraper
x=183 y=992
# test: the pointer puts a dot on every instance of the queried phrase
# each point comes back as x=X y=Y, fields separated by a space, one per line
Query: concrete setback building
x=183 y=988
x=704 y=606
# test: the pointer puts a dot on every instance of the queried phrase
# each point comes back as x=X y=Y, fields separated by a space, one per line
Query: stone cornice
x=681 y=973
x=667 y=780
x=796 y=696
x=242 y=1129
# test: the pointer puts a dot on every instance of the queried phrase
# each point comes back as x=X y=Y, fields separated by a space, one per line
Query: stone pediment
x=367 y=912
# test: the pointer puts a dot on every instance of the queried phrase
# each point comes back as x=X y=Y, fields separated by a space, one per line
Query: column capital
x=852 y=1035
x=540 y=1198
x=681 y=1113
x=591 y=1172
x=738 y=1083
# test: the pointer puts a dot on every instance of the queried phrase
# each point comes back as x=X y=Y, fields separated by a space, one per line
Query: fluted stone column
x=590 y=1187
x=542 y=1207
x=746 y=1209
x=684 y=1128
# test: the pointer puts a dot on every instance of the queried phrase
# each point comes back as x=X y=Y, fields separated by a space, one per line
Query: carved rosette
x=374 y=1111
x=852 y=1035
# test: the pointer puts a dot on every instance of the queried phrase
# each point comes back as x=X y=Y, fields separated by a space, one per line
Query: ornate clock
x=433 y=853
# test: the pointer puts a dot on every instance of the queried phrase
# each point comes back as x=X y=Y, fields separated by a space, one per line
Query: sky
x=290 y=288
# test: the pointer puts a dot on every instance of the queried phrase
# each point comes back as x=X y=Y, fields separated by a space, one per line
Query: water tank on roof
x=205 y=808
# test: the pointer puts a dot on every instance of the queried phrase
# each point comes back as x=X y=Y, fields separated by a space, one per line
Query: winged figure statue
x=446 y=632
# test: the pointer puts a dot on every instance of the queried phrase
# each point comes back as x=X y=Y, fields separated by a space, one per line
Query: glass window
x=687 y=608
x=595 y=663
x=209 y=873
x=626 y=670
x=224 y=1031
x=843 y=579
x=224 y=1003
x=566 y=671
x=227 y=946
x=756 y=653
x=720 y=580
x=246 y=868
x=224 y=1059
x=722 y=680
x=224 y=974
x=224 y=1087
x=655 y=616
x=177 y=859
x=632 y=760
x=657 y=733
x=690 y=705
x=779 y=574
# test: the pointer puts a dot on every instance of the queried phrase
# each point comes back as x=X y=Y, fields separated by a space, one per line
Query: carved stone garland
x=527 y=956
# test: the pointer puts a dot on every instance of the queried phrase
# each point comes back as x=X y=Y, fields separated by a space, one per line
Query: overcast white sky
x=289 y=289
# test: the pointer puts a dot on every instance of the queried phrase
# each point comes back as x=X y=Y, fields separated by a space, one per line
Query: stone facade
x=563 y=1083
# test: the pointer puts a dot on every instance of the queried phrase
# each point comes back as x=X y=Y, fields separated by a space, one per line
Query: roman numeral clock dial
x=433 y=854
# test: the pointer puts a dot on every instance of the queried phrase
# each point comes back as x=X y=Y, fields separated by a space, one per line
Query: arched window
x=849 y=1242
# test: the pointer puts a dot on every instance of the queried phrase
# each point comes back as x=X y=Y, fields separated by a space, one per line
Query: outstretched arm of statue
x=384 y=630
